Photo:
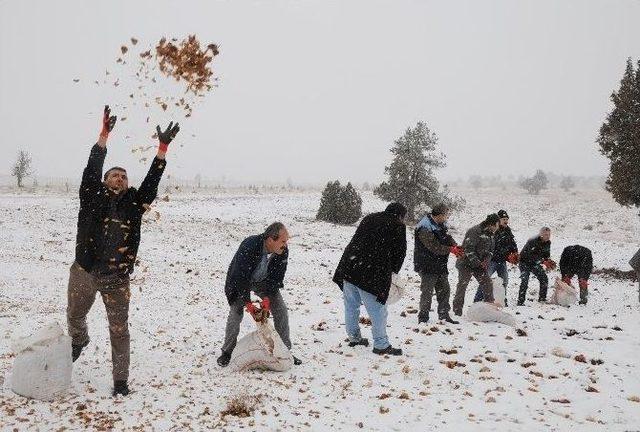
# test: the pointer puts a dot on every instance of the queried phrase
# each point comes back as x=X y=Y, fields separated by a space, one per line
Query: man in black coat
x=377 y=250
x=504 y=250
x=107 y=244
x=433 y=245
x=259 y=265
x=535 y=258
x=474 y=262
x=577 y=260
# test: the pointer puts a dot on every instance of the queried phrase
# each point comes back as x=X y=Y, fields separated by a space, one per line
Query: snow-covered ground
x=501 y=381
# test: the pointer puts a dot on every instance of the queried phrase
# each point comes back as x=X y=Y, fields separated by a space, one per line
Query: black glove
x=169 y=134
x=108 y=121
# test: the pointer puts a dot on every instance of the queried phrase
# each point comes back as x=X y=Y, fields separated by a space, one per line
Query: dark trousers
x=503 y=273
x=525 y=271
x=464 y=277
x=236 y=313
x=115 y=294
x=429 y=283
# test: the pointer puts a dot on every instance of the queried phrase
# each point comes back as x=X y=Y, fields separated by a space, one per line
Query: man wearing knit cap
x=535 y=259
x=505 y=250
x=478 y=248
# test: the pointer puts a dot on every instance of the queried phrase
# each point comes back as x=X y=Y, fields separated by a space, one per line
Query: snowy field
x=452 y=377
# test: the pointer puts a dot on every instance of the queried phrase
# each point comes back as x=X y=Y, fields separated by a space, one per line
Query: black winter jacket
x=535 y=251
x=243 y=264
x=576 y=260
x=377 y=250
x=96 y=211
x=504 y=244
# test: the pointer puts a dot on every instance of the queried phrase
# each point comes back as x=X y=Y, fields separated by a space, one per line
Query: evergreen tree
x=619 y=139
x=567 y=184
x=342 y=205
x=535 y=184
x=411 y=179
x=22 y=167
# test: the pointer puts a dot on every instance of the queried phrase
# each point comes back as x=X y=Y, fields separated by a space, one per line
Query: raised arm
x=149 y=187
x=92 y=174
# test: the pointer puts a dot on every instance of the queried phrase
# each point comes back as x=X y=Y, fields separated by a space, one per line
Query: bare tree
x=22 y=167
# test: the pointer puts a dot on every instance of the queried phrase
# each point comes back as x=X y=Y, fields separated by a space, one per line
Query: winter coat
x=478 y=248
x=535 y=251
x=576 y=260
x=99 y=208
x=238 y=284
x=432 y=247
x=504 y=244
x=377 y=250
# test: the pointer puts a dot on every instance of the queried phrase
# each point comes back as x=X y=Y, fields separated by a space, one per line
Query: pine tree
x=619 y=139
x=411 y=179
x=342 y=205
x=22 y=167
x=535 y=184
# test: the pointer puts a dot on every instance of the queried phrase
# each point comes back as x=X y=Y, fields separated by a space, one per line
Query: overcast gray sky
x=316 y=90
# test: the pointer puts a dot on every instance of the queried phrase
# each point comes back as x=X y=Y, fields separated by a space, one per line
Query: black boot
x=120 y=388
x=76 y=350
x=522 y=294
x=296 y=361
x=388 y=350
x=224 y=359
x=423 y=318
x=448 y=319
x=362 y=341
x=542 y=297
x=583 y=296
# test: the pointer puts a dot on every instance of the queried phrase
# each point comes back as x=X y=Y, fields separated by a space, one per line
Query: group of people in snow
x=108 y=237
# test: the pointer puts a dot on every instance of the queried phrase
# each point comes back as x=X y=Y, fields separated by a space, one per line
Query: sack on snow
x=42 y=367
x=498 y=289
x=487 y=312
x=261 y=349
x=563 y=294
x=397 y=289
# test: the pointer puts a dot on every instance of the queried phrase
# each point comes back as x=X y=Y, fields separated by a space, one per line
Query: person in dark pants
x=634 y=262
x=577 y=260
x=430 y=257
x=474 y=262
x=535 y=258
x=107 y=244
x=504 y=250
x=377 y=250
x=259 y=265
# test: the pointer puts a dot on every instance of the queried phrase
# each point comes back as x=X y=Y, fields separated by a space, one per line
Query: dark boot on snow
x=76 y=350
x=448 y=319
x=120 y=388
x=388 y=350
x=224 y=359
x=362 y=341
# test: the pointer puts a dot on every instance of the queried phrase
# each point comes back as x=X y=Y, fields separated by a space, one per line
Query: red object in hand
x=549 y=264
x=567 y=279
x=251 y=308
x=458 y=251
x=108 y=122
x=583 y=283
x=163 y=147
x=513 y=258
x=266 y=304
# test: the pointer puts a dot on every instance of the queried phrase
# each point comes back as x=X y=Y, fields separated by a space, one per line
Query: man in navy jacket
x=259 y=265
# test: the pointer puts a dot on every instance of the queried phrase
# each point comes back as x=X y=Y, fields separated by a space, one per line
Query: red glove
x=549 y=264
x=266 y=304
x=251 y=308
x=513 y=258
x=567 y=279
x=458 y=251
x=583 y=283
x=108 y=122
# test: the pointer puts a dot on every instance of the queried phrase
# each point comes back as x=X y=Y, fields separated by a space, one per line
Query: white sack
x=498 y=290
x=261 y=349
x=487 y=312
x=563 y=294
x=42 y=367
x=397 y=289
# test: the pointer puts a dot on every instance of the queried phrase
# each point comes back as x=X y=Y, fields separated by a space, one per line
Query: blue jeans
x=353 y=297
x=501 y=269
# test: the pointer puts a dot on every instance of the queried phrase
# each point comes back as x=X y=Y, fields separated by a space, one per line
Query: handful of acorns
x=261 y=314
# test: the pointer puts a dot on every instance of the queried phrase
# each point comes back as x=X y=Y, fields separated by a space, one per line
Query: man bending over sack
x=376 y=250
x=577 y=260
x=106 y=246
x=533 y=257
x=474 y=262
x=259 y=265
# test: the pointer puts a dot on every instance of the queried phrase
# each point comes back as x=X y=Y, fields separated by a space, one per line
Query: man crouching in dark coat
x=377 y=250
x=259 y=265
